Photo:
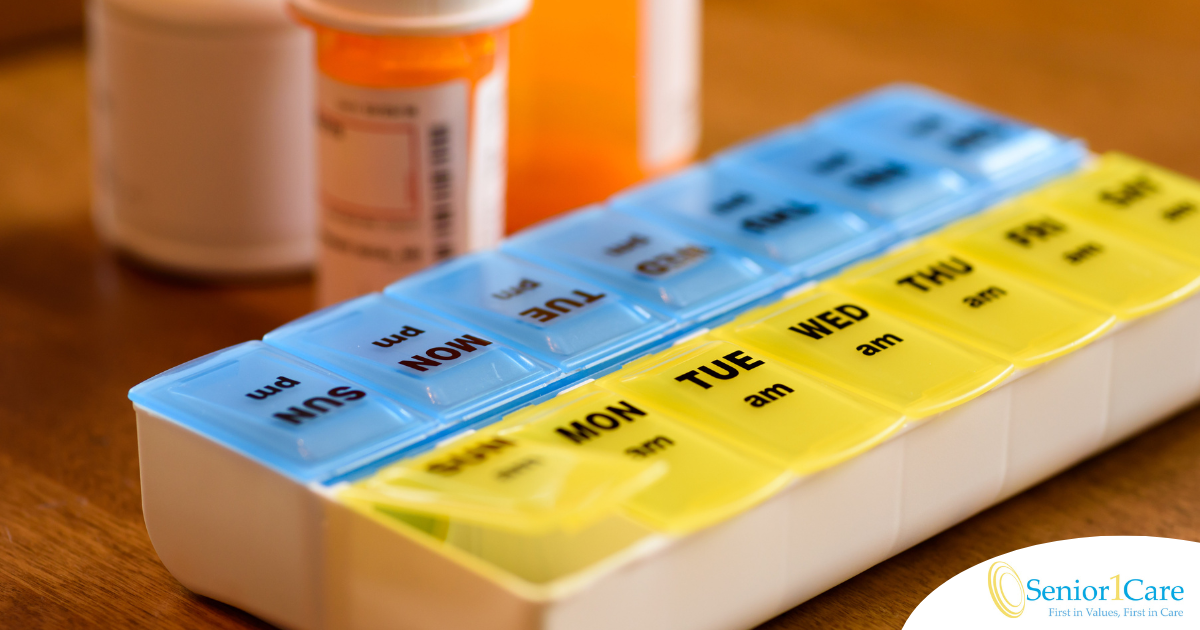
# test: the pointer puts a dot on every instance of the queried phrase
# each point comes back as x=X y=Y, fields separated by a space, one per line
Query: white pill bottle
x=202 y=134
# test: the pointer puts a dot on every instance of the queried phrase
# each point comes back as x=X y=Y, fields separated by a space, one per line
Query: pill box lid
x=1131 y=280
x=498 y=360
x=911 y=194
x=1024 y=156
x=486 y=479
x=701 y=277
x=1010 y=317
x=708 y=479
x=1139 y=200
x=499 y=293
x=685 y=199
x=924 y=375
x=199 y=396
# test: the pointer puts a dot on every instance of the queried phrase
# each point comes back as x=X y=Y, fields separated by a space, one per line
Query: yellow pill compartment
x=1137 y=199
x=535 y=510
x=734 y=392
x=972 y=301
x=1079 y=259
x=856 y=344
x=705 y=481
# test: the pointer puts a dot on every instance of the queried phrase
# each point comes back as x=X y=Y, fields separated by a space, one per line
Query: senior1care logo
x=1118 y=581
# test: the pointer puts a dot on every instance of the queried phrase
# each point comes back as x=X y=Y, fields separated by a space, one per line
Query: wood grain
x=78 y=327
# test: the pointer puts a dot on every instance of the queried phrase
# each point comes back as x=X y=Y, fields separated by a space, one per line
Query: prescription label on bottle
x=706 y=480
x=508 y=482
x=736 y=393
x=405 y=179
x=1137 y=199
x=963 y=297
x=1071 y=256
x=856 y=345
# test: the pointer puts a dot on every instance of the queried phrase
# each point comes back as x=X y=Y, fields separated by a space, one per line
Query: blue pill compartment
x=292 y=416
x=981 y=145
x=450 y=371
x=803 y=235
x=561 y=319
x=683 y=276
x=912 y=196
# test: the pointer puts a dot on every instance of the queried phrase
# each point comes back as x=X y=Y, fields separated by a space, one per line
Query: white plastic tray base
x=233 y=530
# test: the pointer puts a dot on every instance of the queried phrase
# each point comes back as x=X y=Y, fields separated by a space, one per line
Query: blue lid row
x=458 y=345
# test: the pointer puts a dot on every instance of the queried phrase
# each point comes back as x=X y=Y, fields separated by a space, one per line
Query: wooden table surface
x=79 y=327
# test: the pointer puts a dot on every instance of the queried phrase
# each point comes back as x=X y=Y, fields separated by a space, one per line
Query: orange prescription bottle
x=411 y=123
x=604 y=93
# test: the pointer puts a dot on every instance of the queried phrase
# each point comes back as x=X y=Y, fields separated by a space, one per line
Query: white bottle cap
x=411 y=17
x=207 y=14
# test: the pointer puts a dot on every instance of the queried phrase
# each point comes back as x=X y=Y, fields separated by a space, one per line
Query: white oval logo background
x=997 y=594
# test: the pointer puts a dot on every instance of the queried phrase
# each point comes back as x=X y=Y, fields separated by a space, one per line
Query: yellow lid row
x=1152 y=205
x=684 y=438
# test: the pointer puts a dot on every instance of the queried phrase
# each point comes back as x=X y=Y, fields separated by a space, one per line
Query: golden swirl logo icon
x=1000 y=575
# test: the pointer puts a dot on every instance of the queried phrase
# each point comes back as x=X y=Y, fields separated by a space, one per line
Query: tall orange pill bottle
x=411 y=122
x=604 y=94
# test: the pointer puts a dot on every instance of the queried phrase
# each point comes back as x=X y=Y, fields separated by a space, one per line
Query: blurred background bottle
x=201 y=134
x=206 y=150
x=604 y=94
x=412 y=121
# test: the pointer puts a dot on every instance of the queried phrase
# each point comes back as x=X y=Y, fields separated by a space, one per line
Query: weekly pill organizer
x=700 y=403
